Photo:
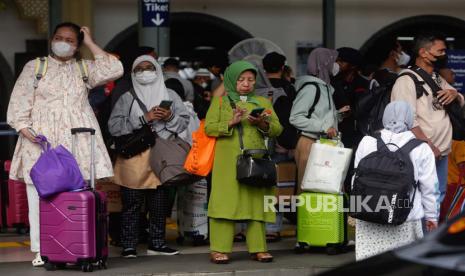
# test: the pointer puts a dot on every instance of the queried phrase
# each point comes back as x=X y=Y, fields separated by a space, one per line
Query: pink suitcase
x=15 y=203
x=74 y=225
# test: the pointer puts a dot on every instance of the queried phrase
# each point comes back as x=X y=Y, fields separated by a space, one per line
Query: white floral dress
x=372 y=239
x=59 y=103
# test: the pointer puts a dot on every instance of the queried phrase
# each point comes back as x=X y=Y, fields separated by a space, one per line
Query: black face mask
x=440 y=62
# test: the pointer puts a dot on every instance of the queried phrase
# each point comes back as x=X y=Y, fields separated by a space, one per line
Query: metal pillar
x=54 y=15
x=329 y=23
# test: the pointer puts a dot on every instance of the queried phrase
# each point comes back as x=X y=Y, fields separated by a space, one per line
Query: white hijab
x=150 y=94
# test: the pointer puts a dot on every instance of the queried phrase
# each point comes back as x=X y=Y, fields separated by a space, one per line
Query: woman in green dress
x=231 y=201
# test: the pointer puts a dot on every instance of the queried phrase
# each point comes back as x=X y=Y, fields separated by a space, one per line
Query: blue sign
x=155 y=13
x=456 y=62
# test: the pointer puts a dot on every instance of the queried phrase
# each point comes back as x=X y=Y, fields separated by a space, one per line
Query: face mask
x=440 y=62
x=63 y=49
x=336 y=69
x=204 y=85
x=403 y=59
x=146 y=77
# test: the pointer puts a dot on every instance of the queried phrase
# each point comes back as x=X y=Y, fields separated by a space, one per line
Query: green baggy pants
x=222 y=235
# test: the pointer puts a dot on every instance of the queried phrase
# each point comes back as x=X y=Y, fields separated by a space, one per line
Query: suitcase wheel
x=22 y=230
x=335 y=249
x=301 y=247
x=50 y=266
x=102 y=264
x=87 y=267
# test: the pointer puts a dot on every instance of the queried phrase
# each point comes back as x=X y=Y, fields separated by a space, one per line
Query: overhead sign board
x=155 y=13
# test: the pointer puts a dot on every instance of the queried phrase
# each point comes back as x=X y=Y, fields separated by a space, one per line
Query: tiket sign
x=155 y=13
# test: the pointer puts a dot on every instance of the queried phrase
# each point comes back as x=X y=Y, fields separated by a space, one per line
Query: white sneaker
x=37 y=262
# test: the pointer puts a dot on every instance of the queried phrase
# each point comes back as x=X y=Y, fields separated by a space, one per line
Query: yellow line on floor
x=13 y=244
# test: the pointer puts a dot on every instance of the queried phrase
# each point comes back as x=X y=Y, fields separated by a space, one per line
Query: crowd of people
x=327 y=100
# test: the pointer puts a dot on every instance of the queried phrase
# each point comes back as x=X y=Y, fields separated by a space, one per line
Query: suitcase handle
x=74 y=132
x=82 y=130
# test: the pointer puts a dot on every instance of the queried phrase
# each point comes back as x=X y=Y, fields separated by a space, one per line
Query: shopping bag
x=326 y=168
x=199 y=161
x=55 y=171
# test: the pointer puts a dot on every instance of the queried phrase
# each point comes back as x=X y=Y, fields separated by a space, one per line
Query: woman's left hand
x=259 y=121
x=162 y=113
x=87 y=36
x=431 y=225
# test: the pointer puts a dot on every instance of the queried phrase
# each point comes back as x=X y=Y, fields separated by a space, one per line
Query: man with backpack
x=431 y=102
x=394 y=186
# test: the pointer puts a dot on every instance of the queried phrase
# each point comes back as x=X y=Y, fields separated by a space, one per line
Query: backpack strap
x=40 y=70
x=407 y=148
x=418 y=84
x=83 y=70
x=317 y=96
x=427 y=79
x=380 y=145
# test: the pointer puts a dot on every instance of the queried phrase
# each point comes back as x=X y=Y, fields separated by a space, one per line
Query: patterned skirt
x=373 y=239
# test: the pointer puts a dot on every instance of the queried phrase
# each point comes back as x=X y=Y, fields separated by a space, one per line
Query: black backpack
x=370 y=107
x=385 y=179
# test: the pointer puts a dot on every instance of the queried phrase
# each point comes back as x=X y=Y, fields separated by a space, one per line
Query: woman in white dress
x=372 y=238
x=54 y=105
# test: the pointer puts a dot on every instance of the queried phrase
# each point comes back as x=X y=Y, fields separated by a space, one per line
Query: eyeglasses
x=141 y=69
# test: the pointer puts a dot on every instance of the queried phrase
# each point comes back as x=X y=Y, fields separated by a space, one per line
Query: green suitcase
x=321 y=222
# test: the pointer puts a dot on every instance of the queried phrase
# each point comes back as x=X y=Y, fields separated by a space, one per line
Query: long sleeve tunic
x=230 y=199
x=59 y=103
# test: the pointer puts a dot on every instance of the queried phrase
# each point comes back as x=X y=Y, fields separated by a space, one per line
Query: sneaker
x=129 y=253
x=164 y=250
x=37 y=262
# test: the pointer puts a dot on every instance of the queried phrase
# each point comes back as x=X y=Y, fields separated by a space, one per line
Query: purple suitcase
x=74 y=225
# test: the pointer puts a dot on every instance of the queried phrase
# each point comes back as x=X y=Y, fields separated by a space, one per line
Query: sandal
x=273 y=237
x=37 y=262
x=263 y=257
x=219 y=258
x=240 y=237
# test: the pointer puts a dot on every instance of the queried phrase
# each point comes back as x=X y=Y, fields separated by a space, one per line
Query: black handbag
x=454 y=110
x=139 y=140
x=252 y=170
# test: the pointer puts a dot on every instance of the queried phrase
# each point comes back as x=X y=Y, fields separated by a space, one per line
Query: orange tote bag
x=199 y=161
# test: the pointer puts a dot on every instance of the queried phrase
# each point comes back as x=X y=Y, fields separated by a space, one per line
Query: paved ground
x=286 y=263
x=15 y=259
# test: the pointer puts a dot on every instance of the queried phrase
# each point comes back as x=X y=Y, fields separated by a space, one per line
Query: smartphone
x=257 y=112
x=165 y=104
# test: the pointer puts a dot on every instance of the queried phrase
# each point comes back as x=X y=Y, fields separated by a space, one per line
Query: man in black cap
x=350 y=61
x=273 y=63
x=346 y=85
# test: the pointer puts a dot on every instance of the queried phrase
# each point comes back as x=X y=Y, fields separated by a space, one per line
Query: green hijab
x=232 y=74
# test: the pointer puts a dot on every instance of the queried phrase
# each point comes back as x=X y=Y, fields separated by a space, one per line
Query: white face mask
x=146 y=77
x=336 y=69
x=403 y=59
x=63 y=49
x=204 y=85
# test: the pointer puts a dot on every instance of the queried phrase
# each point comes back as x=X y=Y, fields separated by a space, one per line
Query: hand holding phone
x=165 y=104
x=257 y=112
